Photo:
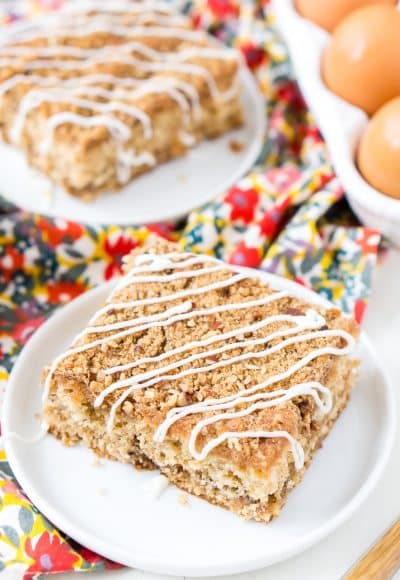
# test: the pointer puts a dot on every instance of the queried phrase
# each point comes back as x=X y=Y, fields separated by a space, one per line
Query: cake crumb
x=236 y=146
x=182 y=499
x=156 y=485
x=102 y=491
x=48 y=193
x=182 y=178
x=96 y=461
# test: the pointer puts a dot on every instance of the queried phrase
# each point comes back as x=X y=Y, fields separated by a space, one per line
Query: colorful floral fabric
x=29 y=543
x=287 y=216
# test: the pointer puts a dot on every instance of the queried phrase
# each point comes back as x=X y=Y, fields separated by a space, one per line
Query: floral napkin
x=287 y=216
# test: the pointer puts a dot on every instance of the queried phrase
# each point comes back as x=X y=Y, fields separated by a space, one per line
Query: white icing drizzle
x=321 y=395
x=149 y=322
x=187 y=315
x=116 y=6
x=146 y=66
x=163 y=23
x=143 y=322
x=114 y=29
x=147 y=263
x=156 y=486
x=200 y=343
x=296 y=448
x=127 y=158
x=67 y=21
x=112 y=8
x=170 y=85
x=119 y=131
x=71 y=93
x=251 y=398
x=79 y=12
x=117 y=128
x=313 y=323
x=35 y=98
x=44 y=428
x=128 y=47
x=138 y=19
x=187 y=139
x=249 y=355
x=178 y=295
x=150 y=87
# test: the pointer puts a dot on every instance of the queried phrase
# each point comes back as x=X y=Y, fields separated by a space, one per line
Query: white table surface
x=330 y=559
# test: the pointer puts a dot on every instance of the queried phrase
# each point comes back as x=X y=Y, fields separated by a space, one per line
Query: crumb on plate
x=236 y=146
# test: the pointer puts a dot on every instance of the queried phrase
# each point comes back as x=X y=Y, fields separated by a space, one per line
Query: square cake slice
x=101 y=93
x=202 y=370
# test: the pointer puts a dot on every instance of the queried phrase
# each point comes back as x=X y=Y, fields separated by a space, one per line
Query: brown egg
x=328 y=13
x=378 y=155
x=361 y=63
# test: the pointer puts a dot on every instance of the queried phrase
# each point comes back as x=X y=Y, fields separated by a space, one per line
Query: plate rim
x=250 y=88
x=146 y=561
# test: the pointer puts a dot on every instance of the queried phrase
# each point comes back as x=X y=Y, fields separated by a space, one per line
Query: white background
x=330 y=559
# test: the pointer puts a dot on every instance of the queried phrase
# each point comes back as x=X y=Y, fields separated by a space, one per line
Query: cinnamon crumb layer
x=252 y=475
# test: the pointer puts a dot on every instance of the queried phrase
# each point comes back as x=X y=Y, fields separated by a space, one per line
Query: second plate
x=167 y=193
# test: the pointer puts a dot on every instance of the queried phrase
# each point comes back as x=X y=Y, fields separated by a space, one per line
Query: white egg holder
x=340 y=123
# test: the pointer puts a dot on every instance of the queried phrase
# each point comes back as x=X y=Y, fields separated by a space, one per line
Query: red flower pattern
x=93 y=558
x=367 y=241
x=245 y=256
x=24 y=330
x=299 y=281
x=283 y=178
x=50 y=554
x=223 y=9
x=116 y=249
x=254 y=55
x=11 y=261
x=271 y=221
x=163 y=230
x=359 y=310
x=59 y=231
x=88 y=555
x=243 y=202
x=11 y=487
x=63 y=291
x=290 y=93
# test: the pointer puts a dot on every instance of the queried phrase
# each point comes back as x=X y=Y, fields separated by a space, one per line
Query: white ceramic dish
x=108 y=509
x=169 y=192
x=340 y=122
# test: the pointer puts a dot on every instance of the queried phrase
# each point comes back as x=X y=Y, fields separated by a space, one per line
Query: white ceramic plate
x=108 y=509
x=169 y=192
x=340 y=122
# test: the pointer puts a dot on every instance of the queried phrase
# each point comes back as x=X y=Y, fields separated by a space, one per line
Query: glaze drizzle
x=143 y=60
x=172 y=266
x=108 y=107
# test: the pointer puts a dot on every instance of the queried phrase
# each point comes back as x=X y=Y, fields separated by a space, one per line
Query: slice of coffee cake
x=202 y=370
x=100 y=94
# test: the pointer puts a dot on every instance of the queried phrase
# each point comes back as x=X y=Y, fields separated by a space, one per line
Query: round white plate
x=108 y=508
x=168 y=192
